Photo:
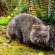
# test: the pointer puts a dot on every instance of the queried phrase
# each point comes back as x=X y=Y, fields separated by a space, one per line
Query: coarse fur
x=27 y=29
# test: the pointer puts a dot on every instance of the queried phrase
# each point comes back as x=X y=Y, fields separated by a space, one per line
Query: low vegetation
x=4 y=20
x=15 y=48
x=18 y=49
x=44 y=9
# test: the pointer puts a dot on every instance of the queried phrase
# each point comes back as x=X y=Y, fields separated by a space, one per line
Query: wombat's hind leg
x=19 y=37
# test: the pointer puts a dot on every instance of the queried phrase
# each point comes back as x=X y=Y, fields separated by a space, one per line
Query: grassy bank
x=15 y=48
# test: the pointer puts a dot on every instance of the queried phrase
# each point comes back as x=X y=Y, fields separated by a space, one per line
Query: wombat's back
x=27 y=17
x=22 y=22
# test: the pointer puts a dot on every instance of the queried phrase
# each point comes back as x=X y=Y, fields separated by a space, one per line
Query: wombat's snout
x=40 y=38
x=37 y=40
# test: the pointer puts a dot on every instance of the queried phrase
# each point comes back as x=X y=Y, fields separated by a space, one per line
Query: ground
x=18 y=49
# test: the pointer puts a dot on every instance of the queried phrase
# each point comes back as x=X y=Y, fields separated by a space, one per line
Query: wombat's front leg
x=10 y=38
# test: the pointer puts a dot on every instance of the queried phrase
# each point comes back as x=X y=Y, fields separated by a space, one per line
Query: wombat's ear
x=48 y=27
x=34 y=26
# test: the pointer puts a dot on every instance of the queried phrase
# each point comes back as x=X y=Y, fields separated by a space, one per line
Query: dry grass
x=18 y=49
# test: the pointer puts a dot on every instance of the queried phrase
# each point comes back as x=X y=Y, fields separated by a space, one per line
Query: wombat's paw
x=8 y=40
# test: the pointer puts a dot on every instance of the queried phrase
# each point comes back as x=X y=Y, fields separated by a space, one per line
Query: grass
x=17 y=49
x=4 y=20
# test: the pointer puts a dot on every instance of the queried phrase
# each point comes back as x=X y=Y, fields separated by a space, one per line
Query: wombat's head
x=39 y=34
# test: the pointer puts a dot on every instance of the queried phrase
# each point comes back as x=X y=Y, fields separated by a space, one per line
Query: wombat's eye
x=45 y=36
x=38 y=29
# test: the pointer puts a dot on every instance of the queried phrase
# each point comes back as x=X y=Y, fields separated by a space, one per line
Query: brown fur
x=27 y=28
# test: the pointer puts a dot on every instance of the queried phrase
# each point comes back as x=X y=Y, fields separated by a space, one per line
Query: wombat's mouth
x=39 y=40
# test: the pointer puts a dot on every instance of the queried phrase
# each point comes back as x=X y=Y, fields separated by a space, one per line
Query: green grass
x=2 y=28
x=17 y=49
x=4 y=20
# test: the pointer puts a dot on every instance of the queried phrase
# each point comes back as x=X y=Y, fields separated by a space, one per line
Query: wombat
x=27 y=29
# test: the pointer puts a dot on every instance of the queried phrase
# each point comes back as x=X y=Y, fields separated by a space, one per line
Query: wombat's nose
x=36 y=40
